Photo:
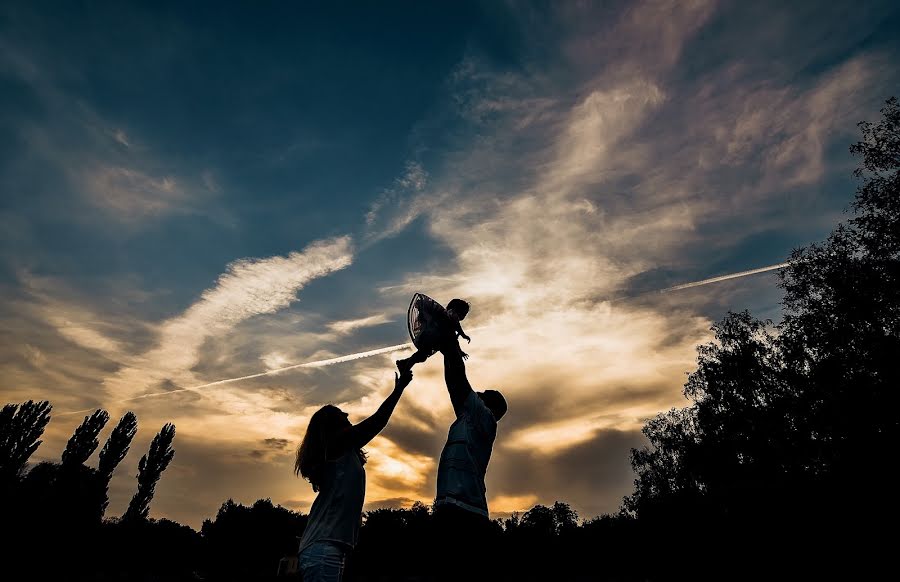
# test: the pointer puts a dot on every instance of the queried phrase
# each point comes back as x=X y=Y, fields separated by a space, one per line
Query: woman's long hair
x=311 y=454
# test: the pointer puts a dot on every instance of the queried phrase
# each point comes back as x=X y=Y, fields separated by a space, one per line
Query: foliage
x=84 y=441
x=248 y=541
x=59 y=507
x=21 y=427
x=150 y=469
x=788 y=420
x=117 y=445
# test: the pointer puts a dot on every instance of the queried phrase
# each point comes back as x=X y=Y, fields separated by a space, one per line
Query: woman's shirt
x=336 y=513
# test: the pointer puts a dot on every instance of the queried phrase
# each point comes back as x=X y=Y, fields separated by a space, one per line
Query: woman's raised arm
x=359 y=435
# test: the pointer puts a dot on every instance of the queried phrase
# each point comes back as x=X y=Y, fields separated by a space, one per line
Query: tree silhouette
x=117 y=444
x=565 y=519
x=786 y=422
x=61 y=504
x=731 y=444
x=21 y=427
x=538 y=521
x=877 y=202
x=84 y=441
x=841 y=337
x=151 y=549
x=150 y=469
x=249 y=541
x=115 y=449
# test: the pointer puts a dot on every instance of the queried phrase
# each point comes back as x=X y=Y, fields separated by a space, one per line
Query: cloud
x=277 y=444
x=248 y=288
x=594 y=126
x=132 y=194
x=647 y=36
x=413 y=180
x=121 y=137
x=350 y=325
x=506 y=504
x=604 y=188
x=275 y=360
x=539 y=255
x=109 y=332
x=593 y=476
x=787 y=128
x=100 y=165
x=84 y=335
x=393 y=470
x=397 y=206
x=390 y=503
x=271 y=447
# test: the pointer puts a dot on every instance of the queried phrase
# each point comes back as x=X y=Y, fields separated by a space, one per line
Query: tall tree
x=877 y=203
x=539 y=521
x=21 y=427
x=84 y=440
x=70 y=493
x=841 y=330
x=117 y=445
x=150 y=469
x=564 y=517
x=113 y=451
x=785 y=426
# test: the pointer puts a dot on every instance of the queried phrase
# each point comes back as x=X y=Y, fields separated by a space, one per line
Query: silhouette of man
x=460 y=506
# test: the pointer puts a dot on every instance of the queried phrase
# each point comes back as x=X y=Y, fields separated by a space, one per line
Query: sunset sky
x=192 y=192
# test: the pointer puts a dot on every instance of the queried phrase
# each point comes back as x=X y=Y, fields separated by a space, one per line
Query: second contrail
x=724 y=277
x=408 y=345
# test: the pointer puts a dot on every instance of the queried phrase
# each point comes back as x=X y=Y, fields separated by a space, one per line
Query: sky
x=192 y=192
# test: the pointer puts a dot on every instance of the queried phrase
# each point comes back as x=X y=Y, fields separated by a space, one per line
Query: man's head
x=495 y=402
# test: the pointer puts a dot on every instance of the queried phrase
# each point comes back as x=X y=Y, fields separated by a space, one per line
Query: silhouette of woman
x=331 y=459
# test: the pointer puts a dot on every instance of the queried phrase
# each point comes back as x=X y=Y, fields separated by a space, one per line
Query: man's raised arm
x=455 y=376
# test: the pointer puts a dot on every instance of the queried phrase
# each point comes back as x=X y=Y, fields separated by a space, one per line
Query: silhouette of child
x=432 y=327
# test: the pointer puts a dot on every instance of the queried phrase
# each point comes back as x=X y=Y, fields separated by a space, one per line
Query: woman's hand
x=467 y=338
x=401 y=381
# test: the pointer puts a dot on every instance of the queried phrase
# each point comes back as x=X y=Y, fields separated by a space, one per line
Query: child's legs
x=418 y=357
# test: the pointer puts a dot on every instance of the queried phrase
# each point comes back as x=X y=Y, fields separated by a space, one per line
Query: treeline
x=55 y=522
x=54 y=512
x=780 y=467
x=784 y=455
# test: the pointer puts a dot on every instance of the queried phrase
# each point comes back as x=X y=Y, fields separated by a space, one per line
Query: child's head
x=459 y=307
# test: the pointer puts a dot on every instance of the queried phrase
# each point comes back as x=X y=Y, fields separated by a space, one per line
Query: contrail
x=315 y=364
x=723 y=278
x=408 y=345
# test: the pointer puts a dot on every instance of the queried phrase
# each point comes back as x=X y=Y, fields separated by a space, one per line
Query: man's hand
x=467 y=338
x=401 y=381
x=464 y=355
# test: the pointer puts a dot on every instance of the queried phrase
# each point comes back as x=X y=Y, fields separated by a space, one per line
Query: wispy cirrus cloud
x=248 y=288
x=796 y=124
x=131 y=194
x=100 y=164
x=400 y=204
x=350 y=325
